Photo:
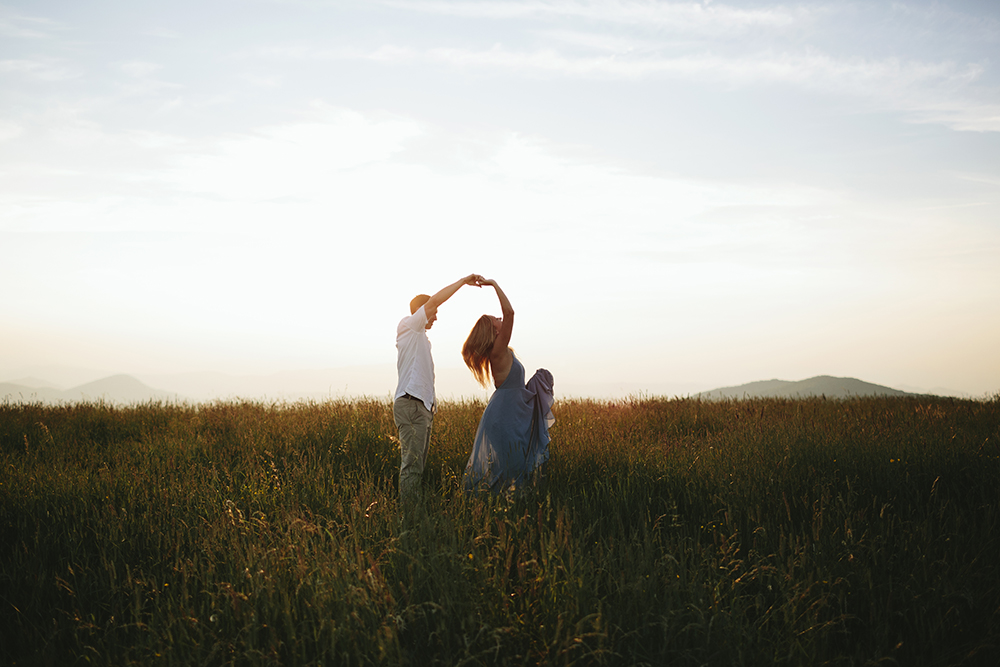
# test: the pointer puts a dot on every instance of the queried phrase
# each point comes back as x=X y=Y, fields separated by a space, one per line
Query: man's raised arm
x=446 y=293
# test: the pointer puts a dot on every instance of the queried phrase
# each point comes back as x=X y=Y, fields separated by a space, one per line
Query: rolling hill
x=821 y=385
x=121 y=389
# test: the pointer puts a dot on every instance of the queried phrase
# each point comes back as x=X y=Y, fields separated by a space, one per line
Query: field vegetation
x=667 y=532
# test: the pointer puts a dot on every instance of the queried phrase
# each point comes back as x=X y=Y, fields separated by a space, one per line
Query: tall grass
x=758 y=532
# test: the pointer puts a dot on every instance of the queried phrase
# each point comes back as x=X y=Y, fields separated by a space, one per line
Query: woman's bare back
x=501 y=367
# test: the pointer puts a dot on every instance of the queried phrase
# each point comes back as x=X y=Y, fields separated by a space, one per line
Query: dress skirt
x=512 y=440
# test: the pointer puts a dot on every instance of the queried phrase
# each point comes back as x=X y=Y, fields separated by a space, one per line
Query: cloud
x=42 y=70
x=350 y=179
x=688 y=17
x=141 y=81
x=291 y=160
x=940 y=92
x=26 y=27
x=139 y=69
x=930 y=65
x=156 y=140
x=163 y=33
x=261 y=80
x=340 y=169
x=9 y=130
x=819 y=50
x=814 y=70
x=950 y=21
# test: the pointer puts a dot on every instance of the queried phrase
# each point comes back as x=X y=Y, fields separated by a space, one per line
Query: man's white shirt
x=414 y=364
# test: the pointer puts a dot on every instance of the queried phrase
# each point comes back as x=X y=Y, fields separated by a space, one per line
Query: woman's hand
x=487 y=281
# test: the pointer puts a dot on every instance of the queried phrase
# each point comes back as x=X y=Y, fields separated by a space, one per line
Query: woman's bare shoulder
x=501 y=366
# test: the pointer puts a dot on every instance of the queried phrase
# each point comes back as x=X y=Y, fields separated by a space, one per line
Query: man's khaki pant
x=414 y=422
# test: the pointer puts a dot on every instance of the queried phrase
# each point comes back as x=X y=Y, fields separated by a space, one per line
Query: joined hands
x=478 y=281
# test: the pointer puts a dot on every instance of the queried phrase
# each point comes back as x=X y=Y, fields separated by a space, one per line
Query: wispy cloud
x=813 y=69
x=816 y=48
x=26 y=27
x=9 y=130
x=701 y=17
x=138 y=68
x=941 y=92
x=43 y=70
x=261 y=80
x=950 y=20
x=142 y=80
x=163 y=33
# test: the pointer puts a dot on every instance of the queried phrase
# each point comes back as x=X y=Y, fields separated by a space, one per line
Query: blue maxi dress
x=512 y=440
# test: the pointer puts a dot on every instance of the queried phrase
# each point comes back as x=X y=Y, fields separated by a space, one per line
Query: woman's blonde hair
x=477 y=347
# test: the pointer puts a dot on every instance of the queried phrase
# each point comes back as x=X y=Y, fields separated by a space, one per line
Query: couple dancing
x=512 y=440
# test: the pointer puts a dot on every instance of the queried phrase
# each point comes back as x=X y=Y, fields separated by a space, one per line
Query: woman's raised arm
x=507 y=325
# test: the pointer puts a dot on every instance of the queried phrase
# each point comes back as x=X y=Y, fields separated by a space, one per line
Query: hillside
x=821 y=385
x=121 y=389
x=22 y=393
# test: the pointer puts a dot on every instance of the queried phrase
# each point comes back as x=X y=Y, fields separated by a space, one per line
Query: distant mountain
x=821 y=385
x=34 y=383
x=120 y=389
x=11 y=392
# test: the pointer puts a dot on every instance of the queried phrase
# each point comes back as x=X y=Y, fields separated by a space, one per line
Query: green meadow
x=667 y=532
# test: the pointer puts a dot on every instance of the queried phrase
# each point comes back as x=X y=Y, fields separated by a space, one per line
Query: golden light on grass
x=669 y=531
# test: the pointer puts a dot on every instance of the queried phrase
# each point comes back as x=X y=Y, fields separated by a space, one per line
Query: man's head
x=418 y=301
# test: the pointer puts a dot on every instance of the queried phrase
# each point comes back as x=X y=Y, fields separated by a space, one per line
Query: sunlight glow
x=676 y=195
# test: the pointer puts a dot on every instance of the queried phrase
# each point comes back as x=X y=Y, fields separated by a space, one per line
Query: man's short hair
x=418 y=301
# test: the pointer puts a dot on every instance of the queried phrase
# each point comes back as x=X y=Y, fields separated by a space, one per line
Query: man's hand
x=431 y=306
x=475 y=279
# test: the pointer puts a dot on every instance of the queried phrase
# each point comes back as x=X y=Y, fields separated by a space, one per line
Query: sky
x=675 y=196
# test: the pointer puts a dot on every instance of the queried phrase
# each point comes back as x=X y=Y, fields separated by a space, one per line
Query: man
x=413 y=406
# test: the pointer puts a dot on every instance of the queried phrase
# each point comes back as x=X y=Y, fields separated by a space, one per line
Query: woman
x=512 y=441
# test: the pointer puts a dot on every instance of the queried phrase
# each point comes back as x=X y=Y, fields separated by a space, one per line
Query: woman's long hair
x=477 y=347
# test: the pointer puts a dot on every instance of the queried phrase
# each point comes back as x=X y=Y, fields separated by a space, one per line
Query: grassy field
x=680 y=532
